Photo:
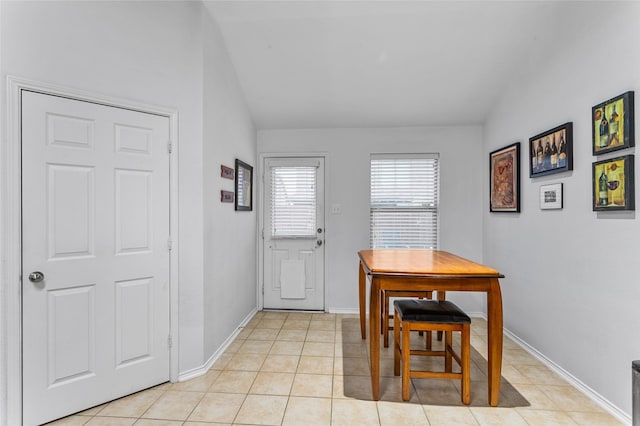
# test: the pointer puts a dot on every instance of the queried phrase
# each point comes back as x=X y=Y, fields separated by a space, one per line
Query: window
x=293 y=202
x=404 y=201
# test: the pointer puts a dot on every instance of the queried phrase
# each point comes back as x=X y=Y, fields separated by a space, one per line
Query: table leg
x=362 y=287
x=494 y=337
x=374 y=337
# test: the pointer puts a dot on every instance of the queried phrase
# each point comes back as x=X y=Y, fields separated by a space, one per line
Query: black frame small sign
x=612 y=126
x=613 y=184
x=551 y=151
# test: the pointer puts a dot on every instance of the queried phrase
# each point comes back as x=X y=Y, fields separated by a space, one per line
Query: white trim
x=199 y=371
x=346 y=311
x=13 y=250
x=574 y=381
x=12 y=225
x=260 y=217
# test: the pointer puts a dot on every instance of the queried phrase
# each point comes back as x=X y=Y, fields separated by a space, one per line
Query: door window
x=293 y=202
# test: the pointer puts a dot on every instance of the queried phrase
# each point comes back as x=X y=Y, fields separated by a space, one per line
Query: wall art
x=244 y=186
x=504 y=184
x=226 y=196
x=227 y=172
x=612 y=184
x=551 y=151
x=551 y=196
x=612 y=125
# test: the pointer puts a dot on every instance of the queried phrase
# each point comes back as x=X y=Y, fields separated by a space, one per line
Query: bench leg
x=406 y=356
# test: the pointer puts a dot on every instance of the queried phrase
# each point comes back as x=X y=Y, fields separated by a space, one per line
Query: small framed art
x=244 y=186
x=227 y=172
x=551 y=151
x=551 y=196
x=612 y=184
x=612 y=125
x=226 y=196
x=504 y=184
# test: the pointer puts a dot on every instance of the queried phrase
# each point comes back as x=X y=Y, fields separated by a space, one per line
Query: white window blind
x=293 y=202
x=404 y=201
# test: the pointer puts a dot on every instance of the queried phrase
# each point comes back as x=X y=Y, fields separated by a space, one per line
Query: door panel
x=71 y=213
x=294 y=233
x=71 y=319
x=134 y=321
x=96 y=224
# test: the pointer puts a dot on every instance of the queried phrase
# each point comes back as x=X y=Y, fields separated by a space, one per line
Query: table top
x=421 y=262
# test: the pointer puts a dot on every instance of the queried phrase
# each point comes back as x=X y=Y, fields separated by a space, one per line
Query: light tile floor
x=313 y=369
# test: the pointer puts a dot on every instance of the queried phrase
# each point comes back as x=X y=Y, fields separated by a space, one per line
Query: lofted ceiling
x=324 y=64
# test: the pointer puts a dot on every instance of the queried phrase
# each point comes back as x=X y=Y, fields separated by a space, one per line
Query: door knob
x=36 y=277
x=319 y=242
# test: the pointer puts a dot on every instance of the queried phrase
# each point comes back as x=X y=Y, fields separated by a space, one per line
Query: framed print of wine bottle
x=612 y=186
x=612 y=124
x=504 y=173
x=551 y=151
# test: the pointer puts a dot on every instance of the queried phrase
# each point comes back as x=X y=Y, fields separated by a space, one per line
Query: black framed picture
x=613 y=184
x=244 y=186
x=504 y=184
x=551 y=151
x=612 y=125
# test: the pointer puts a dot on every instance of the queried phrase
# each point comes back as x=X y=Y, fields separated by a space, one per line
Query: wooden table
x=429 y=270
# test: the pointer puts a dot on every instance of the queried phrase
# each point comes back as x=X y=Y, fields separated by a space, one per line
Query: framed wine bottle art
x=612 y=186
x=551 y=151
x=612 y=124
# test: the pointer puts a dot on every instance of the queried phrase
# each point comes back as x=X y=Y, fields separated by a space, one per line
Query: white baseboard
x=574 y=381
x=199 y=371
x=345 y=311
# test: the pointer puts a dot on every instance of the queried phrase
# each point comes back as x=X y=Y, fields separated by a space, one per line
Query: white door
x=294 y=233
x=95 y=203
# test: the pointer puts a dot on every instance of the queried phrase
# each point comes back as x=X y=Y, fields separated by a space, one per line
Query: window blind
x=293 y=201
x=404 y=201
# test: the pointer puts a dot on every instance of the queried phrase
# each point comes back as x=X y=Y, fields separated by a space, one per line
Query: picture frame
x=551 y=196
x=504 y=184
x=244 y=186
x=227 y=196
x=227 y=172
x=612 y=126
x=613 y=184
x=551 y=151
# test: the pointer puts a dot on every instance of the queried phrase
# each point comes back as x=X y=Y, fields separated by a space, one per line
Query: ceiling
x=326 y=64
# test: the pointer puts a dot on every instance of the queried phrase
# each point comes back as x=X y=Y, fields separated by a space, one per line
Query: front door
x=95 y=203
x=293 y=232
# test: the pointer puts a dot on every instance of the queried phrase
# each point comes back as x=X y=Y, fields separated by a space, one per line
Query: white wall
x=168 y=54
x=115 y=49
x=347 y=183
x=229 y=236
x=572 y=289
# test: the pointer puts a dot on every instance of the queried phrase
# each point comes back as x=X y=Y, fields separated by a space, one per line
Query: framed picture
x=226 y=196
x=227 y=172
x=504 y=166
x=612 y=124
x=244 y=186
x=612 y=186
x=551 y=196
x=551 y=151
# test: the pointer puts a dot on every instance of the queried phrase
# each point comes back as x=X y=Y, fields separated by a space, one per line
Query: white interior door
x=294 y=233
x=95 y=254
